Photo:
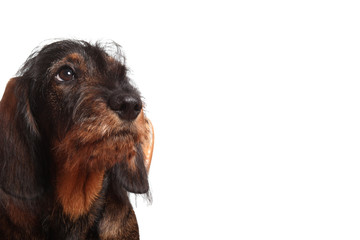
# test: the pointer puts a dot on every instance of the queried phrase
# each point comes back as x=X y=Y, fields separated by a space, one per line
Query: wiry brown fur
x=67 y=156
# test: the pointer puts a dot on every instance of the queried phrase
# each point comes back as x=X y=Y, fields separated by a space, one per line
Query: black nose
x=127 y=106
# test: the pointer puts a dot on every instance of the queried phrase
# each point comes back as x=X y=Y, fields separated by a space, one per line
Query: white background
x=255 y=106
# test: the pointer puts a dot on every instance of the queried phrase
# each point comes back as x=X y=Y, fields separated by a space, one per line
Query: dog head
x=74 y=110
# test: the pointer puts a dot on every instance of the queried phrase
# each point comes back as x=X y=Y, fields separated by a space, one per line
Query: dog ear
x=21 y=170
x=134 y=177
x=148 y=145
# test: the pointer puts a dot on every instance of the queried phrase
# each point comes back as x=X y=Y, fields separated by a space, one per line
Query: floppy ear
x=21 y=169
x=134 y=177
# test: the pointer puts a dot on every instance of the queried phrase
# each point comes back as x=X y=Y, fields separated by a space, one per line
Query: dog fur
x=74 y=140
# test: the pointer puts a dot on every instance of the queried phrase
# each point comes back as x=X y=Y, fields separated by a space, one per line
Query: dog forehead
x=75 y=57
x=100 y=55
x=88 y=62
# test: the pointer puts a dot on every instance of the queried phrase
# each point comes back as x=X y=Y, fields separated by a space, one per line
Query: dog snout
x=127 y=106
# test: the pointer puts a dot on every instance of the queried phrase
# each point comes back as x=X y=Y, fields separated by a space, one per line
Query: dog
x=74 y=141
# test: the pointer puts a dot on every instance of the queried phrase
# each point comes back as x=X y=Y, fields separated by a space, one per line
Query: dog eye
x=65 y=74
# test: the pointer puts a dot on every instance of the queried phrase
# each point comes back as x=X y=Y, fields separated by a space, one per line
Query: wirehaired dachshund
x=74 y=141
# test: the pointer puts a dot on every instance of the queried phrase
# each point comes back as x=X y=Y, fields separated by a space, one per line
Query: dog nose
x=126 y=106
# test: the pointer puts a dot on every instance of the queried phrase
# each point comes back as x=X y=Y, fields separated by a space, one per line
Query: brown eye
x=65 y=74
